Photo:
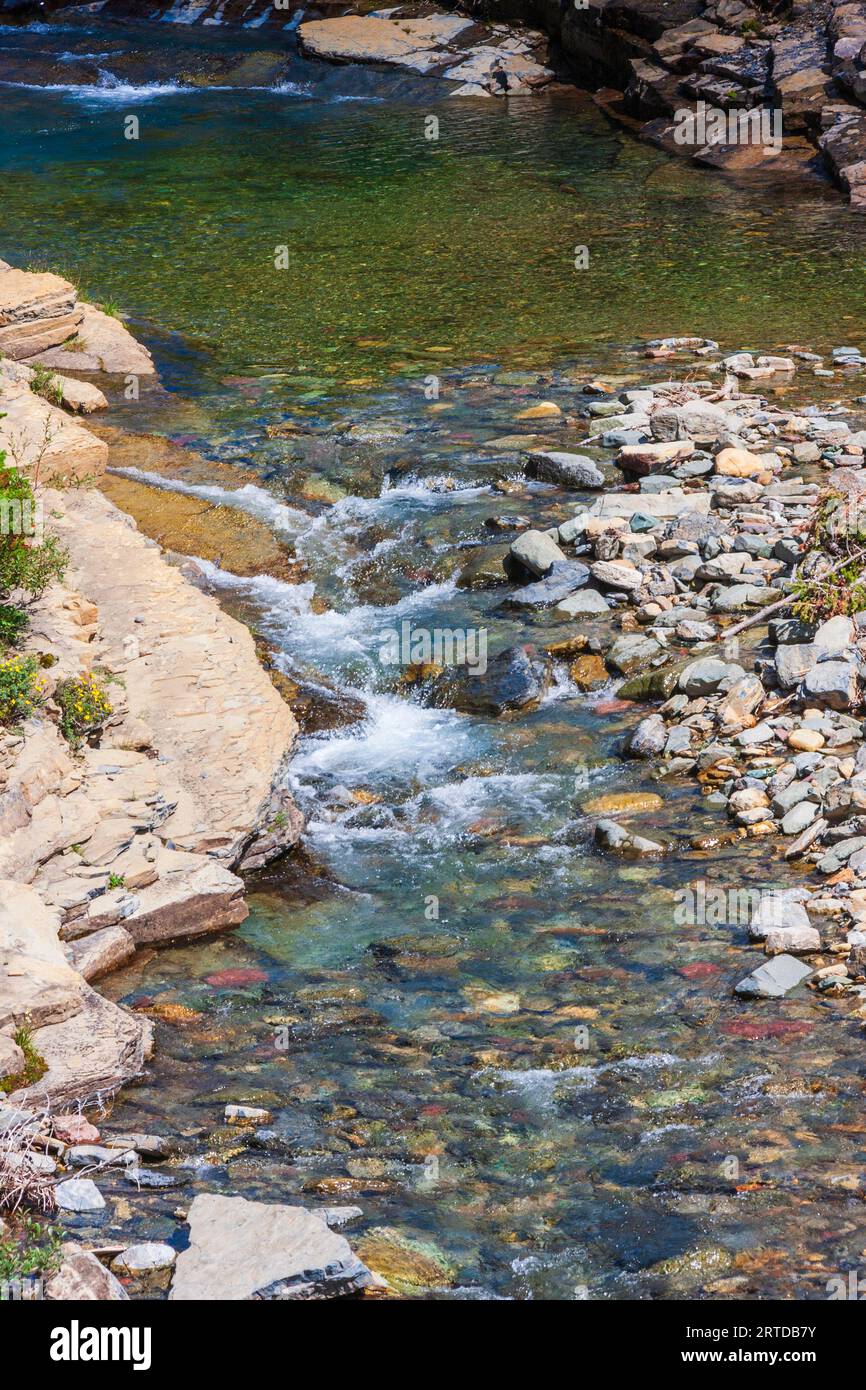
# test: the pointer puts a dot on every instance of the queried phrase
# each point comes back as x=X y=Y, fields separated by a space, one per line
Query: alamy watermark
x=436 y=646
x=21 y=517
x=702 y=904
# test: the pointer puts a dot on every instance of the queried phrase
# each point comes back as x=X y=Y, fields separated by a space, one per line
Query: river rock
x=587 y=603
x=695 y=420
x=775 y=978
x=801 y=815
x=741 y=597
x=837 y=636
x=788 y=797
x=706 y=675
x=795 y=940
x=563 y=578
x=739 y=463
x=412 y=43
x=610 y=835
x=515 y=679
x=588 y=672
x=239 y=1249
x=149 y=1265
x=483 y=567
x=834 y=683
x=632 y=652
x=79 y=1195
x=806 y=740
x=651 y=685
x=82 y=1277
x=794 y=660
x=622 y=803
x=741 y=701
x=617 y=574
x=640 y=459
x=777 y=911
x=536 y=552
x=649 y=738
x=669 y=502
x=567 y=470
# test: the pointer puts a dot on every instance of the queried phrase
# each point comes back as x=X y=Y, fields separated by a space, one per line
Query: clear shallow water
x=401 y=250
x=549 y=1079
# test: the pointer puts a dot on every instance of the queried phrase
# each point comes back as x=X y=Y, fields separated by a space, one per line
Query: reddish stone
x=772 y=1028
x=235 y=977
x=699 y=970
x=74 y=1129
x=612 y=706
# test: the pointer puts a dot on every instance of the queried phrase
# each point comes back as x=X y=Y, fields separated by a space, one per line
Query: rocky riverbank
x=732 y=558
x=126 y=840
x=652 y=65
x=796 y=82
x=133 y=837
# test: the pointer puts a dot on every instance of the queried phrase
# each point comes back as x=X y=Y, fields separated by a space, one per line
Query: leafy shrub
x=84 y=707
x=21 y=688
x=26 y=562
x=34 y=1250
x=13 y=622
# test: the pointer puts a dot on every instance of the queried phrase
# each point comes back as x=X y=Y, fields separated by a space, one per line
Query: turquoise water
x=463 y=1019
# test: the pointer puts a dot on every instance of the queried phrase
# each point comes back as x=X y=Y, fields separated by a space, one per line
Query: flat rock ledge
x=135 y=841
x=485 y=60
x=46 y=333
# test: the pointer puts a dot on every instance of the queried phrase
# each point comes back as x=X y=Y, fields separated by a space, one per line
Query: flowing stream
x=506 y=1048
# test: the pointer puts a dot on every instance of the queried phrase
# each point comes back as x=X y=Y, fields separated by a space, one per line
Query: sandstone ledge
x=188 y=783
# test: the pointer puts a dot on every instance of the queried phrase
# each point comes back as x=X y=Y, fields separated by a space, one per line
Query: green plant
x=110 y=306
x=35 y=1065
x=34 y=1250
x=84 y=707
x=843 y=593
x=21 y=688
x=47 y=385
x=13 y=621
x=116 y=881
x=27 y=562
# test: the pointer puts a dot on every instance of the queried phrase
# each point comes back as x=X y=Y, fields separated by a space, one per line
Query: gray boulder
x=632 y=653
x=563 y=579
x=776 y=911
x=536 y=552
x=515 y=679
x=567 y=470
x=240 y=1249
x=587 y=603
x=774 y=979
x=834 y=683
x=649 y=738
x=794 y=660
x=706 y=675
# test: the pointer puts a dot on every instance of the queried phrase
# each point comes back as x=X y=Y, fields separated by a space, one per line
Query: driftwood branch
x=781 y=603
